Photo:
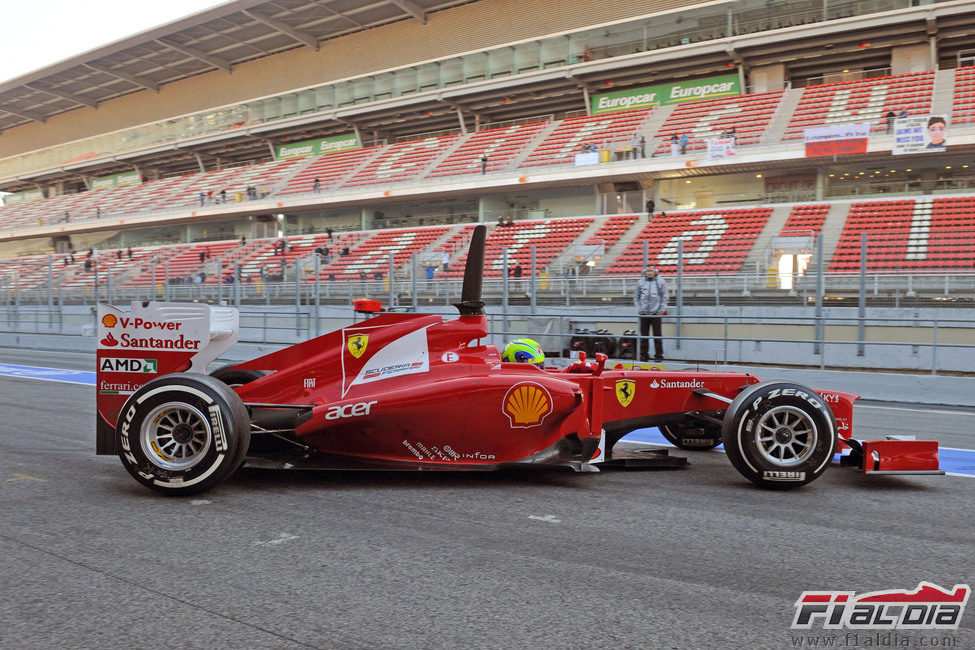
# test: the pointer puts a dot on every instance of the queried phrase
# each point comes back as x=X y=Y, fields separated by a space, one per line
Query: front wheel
x=779 y=435
x=183 y=433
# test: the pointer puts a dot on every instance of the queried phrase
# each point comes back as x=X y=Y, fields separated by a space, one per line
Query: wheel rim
x=175 y=436
x=786 y=436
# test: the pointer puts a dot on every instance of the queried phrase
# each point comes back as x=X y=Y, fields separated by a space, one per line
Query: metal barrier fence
x=754 y=288
x=913 y=343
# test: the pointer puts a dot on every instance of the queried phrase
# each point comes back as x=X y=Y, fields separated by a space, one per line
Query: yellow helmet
x=524 y=351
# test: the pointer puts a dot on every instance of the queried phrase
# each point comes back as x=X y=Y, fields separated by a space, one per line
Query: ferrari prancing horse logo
x=625 y=390
x=357 y=344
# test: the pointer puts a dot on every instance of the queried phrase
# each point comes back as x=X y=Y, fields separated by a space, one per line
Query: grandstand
x=388 y=130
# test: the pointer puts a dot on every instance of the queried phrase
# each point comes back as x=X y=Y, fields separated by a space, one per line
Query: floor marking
x=25 y=477
x=954 y=461
x=282 y=537
x=920 y=410
x=552 y=519
x=82 y=377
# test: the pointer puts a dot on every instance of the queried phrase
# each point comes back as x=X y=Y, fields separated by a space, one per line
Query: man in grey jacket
x=650 y=300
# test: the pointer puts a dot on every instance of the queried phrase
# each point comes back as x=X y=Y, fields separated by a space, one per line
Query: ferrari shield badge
x=357 y=344
x=625 y=389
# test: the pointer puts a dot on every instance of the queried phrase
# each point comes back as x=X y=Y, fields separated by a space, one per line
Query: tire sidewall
x=228 y=432
x=746 y=411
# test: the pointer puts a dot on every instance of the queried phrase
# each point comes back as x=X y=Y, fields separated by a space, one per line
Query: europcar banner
x=920 y=134
x=837 y=139
x=317 y=147
x=20 y=197
x=675 y=93
x=116 y=180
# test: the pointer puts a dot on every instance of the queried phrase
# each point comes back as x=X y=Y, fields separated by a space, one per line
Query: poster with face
x=937 y=132
x=920 y=133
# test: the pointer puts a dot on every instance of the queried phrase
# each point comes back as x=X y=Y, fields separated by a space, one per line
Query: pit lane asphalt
x=664 y=559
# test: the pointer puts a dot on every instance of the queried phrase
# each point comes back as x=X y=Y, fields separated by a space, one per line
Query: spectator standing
x=889 y=116
x=650 y=206
x=445 y=261
x=223 y=196
x=98 y=212
x=203 y=255
x=674 y=146
x=484 y=164
x=650 y=300
x=683 y=143
x=315 y=184
x=643 y=147
x=118 y=254
x=203 y=198
x=130 y=252
x=635 y=146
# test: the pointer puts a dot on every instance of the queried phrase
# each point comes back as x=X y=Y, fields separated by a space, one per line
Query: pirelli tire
x=779 y=435
x=183 y=433
x=692 y=436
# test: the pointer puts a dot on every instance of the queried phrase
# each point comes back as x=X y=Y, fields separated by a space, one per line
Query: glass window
x=452 y=72
x=475 y=67
x=500 y=62
x=406 y=81
x=428 y=76
x=526 y=56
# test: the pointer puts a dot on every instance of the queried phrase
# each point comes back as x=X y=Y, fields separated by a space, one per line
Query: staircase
x=759 y=255
x=780 y=121
x=943 y=93
x=568 y=257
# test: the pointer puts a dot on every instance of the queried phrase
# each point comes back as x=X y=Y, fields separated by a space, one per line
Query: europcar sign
x=676 y=93
x=317 y=147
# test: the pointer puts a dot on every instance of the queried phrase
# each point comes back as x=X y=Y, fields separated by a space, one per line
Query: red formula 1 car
x=412 y=391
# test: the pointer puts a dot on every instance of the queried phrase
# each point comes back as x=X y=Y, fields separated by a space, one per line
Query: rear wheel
x=779 y=435
x=183 y=433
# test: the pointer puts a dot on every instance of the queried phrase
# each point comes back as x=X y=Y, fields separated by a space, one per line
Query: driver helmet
x=524 y=351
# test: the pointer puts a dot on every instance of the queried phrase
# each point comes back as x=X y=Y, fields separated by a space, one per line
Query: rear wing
x=149 y=340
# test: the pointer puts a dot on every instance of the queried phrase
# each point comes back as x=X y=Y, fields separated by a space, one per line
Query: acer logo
x=349 y=410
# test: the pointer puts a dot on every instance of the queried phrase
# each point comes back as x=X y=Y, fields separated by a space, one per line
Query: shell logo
x=109 y=320
x=527 y=404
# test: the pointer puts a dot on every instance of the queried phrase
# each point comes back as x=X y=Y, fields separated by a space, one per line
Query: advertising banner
x=116 y=180
x=837 y=140
x=919 y=134
x=317 y=147
x=590 y=158
x=20 y=197
x=673 y=93
x=721 y=148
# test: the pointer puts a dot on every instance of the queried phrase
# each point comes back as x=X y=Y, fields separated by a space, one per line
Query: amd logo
x=125 y=364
